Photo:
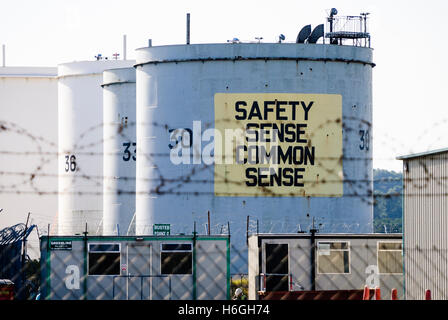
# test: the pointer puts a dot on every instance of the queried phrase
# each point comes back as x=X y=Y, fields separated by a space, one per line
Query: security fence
x=279 y=252
x=198 y=267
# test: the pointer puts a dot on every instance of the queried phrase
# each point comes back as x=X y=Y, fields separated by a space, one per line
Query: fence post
x=366 y=293
x=377 y=293
x=394 y=294
x=290 y=282
x=263 y=283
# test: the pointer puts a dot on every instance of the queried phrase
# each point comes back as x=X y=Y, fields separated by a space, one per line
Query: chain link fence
x=297 y=266
x=272 y=258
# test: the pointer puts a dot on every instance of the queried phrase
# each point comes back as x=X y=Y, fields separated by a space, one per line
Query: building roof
x=328 y=235
x=422 y=154
x=28 y=72
x=6 y=282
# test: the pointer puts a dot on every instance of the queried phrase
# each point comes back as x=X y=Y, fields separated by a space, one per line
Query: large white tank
x=119 y=150
x=28 y=146
x=80 y=145
x=328 y=86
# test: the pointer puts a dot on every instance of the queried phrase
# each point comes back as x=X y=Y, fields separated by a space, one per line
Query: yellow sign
x=278 y=145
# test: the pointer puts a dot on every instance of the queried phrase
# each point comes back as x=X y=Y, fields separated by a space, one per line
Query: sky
x=409 y=80
x=410 y=113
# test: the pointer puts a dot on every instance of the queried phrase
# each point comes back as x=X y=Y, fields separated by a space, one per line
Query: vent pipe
x=188 y=28
x=124 y=47
x=4 y=55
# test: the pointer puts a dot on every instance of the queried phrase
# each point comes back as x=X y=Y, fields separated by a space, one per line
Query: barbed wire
x=46 y=151
x=42 y=144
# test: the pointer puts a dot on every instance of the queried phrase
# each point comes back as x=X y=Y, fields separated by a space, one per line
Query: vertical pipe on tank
x=124 y=47
x=4 y=55
x=119 y=150
x=188 y=28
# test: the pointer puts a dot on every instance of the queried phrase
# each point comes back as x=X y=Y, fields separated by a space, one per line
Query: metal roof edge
x=422 y=154
x=335 y=235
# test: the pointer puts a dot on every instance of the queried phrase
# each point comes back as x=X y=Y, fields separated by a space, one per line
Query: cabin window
x=104 y=259
x=277 y=266
x=176 y=258
x=333 y=257
x=390 y=257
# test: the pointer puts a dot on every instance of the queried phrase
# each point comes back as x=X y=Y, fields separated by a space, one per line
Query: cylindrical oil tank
x=317 y=97
x=80 y=145
x=119 y=150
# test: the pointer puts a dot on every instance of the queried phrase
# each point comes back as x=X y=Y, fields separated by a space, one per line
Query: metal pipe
x=85 y=267
x=208 y=222
x=188 y=28
x=4 y=55
x=247 y=230
x=124 y=47
x=24 y=252
x=313 y=257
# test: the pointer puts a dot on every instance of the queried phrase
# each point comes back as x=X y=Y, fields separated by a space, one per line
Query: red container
x=6 y=290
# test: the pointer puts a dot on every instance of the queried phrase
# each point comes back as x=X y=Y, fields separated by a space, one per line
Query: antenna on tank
x=364 y=15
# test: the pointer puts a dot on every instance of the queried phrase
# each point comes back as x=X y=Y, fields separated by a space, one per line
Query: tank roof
x=28 y=72
x=118 y=75
x=91 y=67
x=253 y=51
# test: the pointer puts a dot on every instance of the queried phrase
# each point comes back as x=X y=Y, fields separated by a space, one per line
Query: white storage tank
x=80 y=145
x=318 y=97
x=119 y=150
x=28 y=145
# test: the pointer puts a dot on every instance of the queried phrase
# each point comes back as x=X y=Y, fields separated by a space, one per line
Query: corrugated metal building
x=425 y=223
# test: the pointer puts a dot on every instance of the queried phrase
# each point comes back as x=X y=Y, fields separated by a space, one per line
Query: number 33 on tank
x=127 y=153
